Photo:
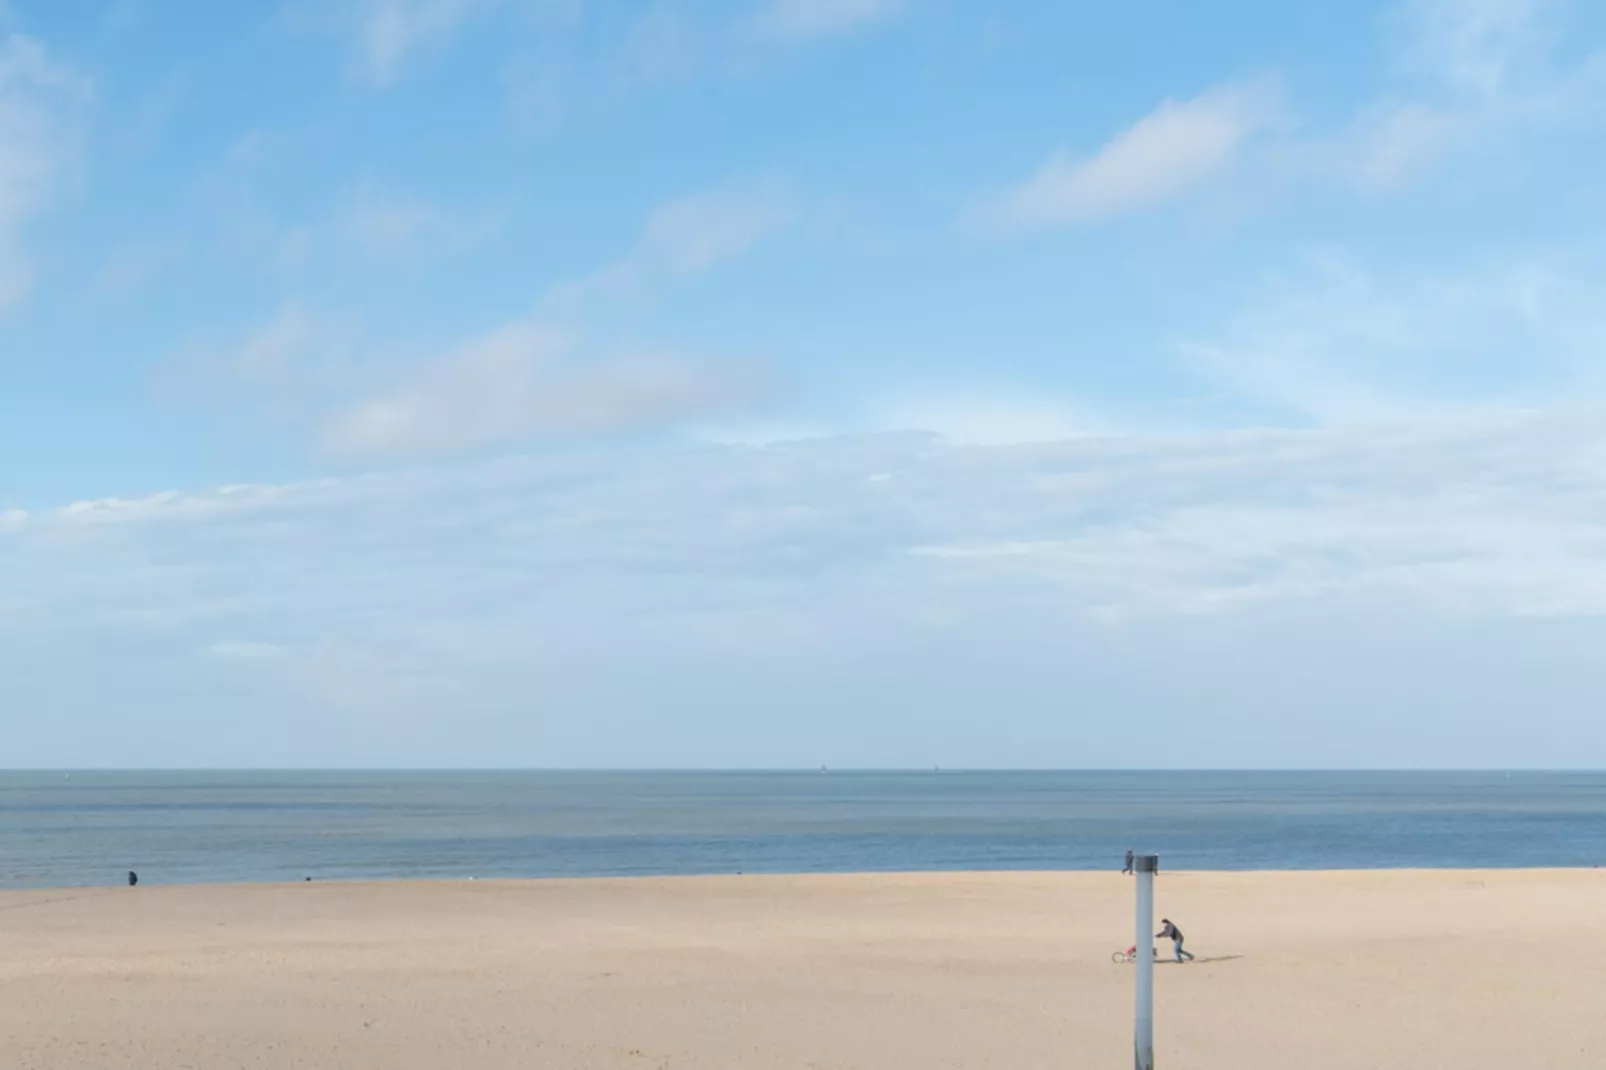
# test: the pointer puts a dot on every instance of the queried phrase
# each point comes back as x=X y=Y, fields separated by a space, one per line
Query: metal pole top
x=1146 y=864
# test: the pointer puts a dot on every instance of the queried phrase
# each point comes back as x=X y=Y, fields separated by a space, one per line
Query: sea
x=89 y=828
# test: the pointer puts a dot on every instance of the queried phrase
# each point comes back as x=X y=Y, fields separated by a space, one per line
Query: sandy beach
x=1468 y=970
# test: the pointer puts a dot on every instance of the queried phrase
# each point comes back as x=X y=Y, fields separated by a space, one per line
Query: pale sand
x=1318 y=970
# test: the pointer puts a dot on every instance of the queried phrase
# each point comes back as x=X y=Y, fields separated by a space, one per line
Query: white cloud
x=380 y=223
x=759 y=432
x=1470 y=75
x=1472 y=46
x=384 y=223
x=279 y=350
x=743 y=604
x=1217 y=523
x=387 y=224
x=969 y=416
x=688 y=237
x=288 y=370
x=1490 y=514
x=1167 y=153
x=1396 y=144
x=37 y=98
x=642 y=47
x=392 y=32
x=986 y=418
x=697 y=233
x=1478 y=72
x=817 y=18
x=245 y=650
x=13 y=519
x=390 y=396
x=1340 y=344
x=359 y=398
x=668 y=42
x=520 y=382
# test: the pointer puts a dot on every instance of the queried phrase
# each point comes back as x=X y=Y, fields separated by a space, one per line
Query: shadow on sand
x=1199 y=961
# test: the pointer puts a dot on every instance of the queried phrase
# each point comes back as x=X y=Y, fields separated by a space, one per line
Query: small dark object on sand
x=133 y=878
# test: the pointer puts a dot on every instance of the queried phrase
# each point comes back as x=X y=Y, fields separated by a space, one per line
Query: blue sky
x=777 y=382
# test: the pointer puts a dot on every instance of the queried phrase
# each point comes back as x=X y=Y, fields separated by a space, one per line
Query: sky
x=776 y=383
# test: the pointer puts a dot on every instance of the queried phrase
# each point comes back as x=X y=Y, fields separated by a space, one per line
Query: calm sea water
x=89 y=828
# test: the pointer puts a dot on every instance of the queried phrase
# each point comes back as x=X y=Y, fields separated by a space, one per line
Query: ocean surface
x=59 y=829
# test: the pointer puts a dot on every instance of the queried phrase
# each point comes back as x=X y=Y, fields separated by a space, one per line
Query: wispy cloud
x=246 y=650
x=388 y=224
x=1340 y=343
x=804 y=19
x=988 y=417
x=687 y=237
x=521 y=382
x=364 y=395
x=1467 y=74
x=505 y=593
x=570 y=53
x=698 y=233
x=382 y=223
x=1161 y=524
x=666 y=43
x=38 y=95
x=1480 y=47
x=1166 y=154
x=286 y=372
x=1325 y=522
x=389 y=33
x=242 y=191
x=1491 y=517
x=1396 y=143
x=1472 y=73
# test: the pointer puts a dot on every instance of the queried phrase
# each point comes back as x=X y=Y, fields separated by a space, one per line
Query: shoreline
x=152 y=884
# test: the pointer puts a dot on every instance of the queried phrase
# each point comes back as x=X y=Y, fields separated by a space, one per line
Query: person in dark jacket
x=133 y=878
x=1128 y=867
x=1168 y=931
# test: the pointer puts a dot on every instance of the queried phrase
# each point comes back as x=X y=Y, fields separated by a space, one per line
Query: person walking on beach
x=1126 y=869
x=1170 y=932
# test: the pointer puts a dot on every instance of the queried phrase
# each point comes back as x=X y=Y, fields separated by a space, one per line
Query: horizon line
x=797 y=769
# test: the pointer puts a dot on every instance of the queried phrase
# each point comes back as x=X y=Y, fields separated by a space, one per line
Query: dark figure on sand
x=133 y=878
x=1128 y=867
x=1174 y=934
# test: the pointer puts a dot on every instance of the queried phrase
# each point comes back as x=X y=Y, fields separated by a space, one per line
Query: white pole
x=1144 y=868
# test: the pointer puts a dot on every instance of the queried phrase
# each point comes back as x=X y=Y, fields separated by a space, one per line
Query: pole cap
x=1146 y=864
